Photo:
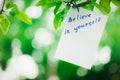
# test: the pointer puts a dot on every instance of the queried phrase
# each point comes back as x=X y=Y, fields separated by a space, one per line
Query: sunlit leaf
x=18 y=13
x=46 y=3
x=23 y=17
x=1 y=17
x=58 y=20
x=4 y=24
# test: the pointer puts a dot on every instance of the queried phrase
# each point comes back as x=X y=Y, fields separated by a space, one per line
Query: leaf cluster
x=61 y=8
x=15 y=12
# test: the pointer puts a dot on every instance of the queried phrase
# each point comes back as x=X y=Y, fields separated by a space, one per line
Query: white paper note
x=80 y=37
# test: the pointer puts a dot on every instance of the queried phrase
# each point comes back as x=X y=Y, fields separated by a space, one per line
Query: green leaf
x=46 y=3
x=106 y=5
x=60 y=17
x=14 y=11
x=104 y=9
x=11 y=5
x=57 y=7
x=23 y=17
x=90 y=6
x=1 y=16
x=4 y=24
x=18 y=13
x=116 y=2
x=57 y=20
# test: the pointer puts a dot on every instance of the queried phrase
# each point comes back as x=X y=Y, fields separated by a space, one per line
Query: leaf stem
x=2 y=7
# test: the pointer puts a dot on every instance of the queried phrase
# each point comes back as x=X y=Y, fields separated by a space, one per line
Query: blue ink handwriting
x=87 y=24
x=67 y=31
x=78 y=17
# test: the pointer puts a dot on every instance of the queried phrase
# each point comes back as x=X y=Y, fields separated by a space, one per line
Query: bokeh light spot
x=37 y=55
x=98 y=68
x=82 y=72
x=27 y=66
x=54 y=77
x=113 y=68
x=19 y=3
x=103 y=56
x=42 y=38
x=34 y=11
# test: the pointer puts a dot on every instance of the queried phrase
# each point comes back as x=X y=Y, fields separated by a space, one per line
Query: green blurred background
x=27 y=51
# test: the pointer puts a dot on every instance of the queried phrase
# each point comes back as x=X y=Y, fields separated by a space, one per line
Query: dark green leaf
x=60 y=17
x=106 y=5
x=103 y=9
x=14 y=11
x=116 y=2
x=57 y=7
x=11 y=5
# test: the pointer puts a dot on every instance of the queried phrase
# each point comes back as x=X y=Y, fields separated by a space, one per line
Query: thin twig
x=69 y=2
x=74 y=4
x=81 y=4
x=2 y=7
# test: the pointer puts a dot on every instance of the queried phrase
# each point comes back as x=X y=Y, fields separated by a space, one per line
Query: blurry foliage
x=61 y=9
x=26 y=33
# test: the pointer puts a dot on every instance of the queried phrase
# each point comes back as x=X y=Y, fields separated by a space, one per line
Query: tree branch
x=2 y=7
x=81 y=4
